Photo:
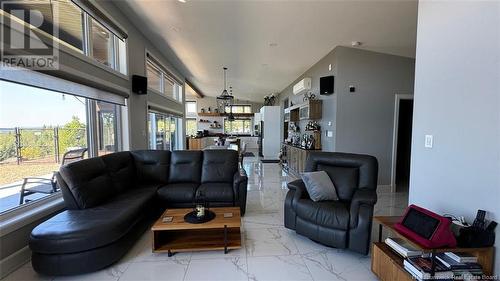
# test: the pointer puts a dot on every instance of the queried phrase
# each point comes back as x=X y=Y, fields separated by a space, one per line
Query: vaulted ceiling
x=268 y=44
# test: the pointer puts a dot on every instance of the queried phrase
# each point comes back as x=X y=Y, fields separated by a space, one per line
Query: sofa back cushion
x=152 y=166
x=347 y=171
x=219 y=165
x=121 y=169
x=88 y=181
x=185 y=166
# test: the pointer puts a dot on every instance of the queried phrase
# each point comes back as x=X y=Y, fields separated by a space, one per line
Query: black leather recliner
x=345 y=223
x=111 y=200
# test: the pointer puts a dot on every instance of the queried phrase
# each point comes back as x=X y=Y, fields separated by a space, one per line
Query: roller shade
x=101 y=16
x=48 y=82
x=169 y=73
x=164 y=110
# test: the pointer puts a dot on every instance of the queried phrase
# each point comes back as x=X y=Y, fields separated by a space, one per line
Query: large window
x=160 y=81
x=79 y=29
x=71 y=19
x=191 y=108
x=163 y=131
x=191 y=127
x=154 y=77
x=107 y=127
x=38 y=128
x=239 y=108
x=102 y=44
x=238 y=126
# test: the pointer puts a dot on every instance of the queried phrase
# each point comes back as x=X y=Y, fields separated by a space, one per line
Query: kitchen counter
x=300 y=147
x=200 y=143
x=295 y=158
x=222 y=135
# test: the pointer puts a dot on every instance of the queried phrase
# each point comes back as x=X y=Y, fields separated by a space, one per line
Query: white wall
x=457 y=99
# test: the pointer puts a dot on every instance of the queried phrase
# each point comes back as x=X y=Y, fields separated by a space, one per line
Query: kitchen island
x=200 y=143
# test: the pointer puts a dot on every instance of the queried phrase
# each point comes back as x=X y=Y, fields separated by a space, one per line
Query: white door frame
x=398 y=98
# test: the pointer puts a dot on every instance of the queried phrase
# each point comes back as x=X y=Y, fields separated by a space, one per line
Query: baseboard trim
x=270 y=160
x=14 y=261
x=385 y=187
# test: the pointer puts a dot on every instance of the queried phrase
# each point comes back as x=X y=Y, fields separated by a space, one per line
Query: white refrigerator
x=270 y=132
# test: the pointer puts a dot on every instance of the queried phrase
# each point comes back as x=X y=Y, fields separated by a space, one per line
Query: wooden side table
x=388 y=265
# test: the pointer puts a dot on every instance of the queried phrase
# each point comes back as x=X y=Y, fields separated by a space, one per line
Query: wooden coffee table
x=179 y=236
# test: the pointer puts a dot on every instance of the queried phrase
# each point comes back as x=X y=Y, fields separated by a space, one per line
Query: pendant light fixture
x=230 y=117
x=225 y=99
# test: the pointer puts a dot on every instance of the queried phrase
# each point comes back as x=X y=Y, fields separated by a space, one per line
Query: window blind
x=164 y=110
x=93 y=9
x=49 y=82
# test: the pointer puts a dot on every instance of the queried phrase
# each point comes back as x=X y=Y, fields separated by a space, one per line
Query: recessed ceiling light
x=182 y=1
x=273 y=44
x=356 y=43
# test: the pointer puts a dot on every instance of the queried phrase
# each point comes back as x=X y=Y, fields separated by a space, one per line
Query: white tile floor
x=270 y=251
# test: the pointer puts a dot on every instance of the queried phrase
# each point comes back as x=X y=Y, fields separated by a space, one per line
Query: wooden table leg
x=380 y=232
x=225 y=239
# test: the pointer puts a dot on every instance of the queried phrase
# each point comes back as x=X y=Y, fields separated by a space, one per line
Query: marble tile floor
x=270 y=251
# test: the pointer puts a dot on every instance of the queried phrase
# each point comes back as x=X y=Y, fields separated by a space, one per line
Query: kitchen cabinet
x=311 y=110
x=296 y=158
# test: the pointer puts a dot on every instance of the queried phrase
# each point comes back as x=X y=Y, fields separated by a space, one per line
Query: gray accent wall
x=319 y=69
x=365 y=118
x=457 y=100
x=363 y=121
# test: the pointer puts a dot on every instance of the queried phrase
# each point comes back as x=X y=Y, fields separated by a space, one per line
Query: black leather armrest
x=300 y=191
x=297 y=185
x=240 y=181
x=361 y=197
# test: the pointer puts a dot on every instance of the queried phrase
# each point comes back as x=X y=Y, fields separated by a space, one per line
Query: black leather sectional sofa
x=345 y=223
x=111 y=200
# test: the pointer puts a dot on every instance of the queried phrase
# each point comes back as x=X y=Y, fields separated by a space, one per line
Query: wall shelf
x=216 y=114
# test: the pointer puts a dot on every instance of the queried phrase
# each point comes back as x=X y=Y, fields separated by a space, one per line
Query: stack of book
x=448 y=265
x=402 y=247
x=420 y=268
x=463 y=265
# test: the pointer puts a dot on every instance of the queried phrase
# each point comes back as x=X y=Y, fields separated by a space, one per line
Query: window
x=239 y=108
x=191 y=109
x=238 y=126
x=71 y=19
x=78 y=29
x=191 y=127
x=154 y=77
x=102 y=44
x=107 y=114
x=37 y=127
x=160 y=81
x=163 y=131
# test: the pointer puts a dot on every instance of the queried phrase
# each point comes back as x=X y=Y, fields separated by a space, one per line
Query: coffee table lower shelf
x=173 y=241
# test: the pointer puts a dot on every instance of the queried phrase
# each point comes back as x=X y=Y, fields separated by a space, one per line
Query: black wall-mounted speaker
x=139 y=84
x=326 y=85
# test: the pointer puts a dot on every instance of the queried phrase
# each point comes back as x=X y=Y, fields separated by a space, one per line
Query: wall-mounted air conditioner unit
x=301 y=86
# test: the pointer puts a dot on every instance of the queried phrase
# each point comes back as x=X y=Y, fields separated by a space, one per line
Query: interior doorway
x=401 y=151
